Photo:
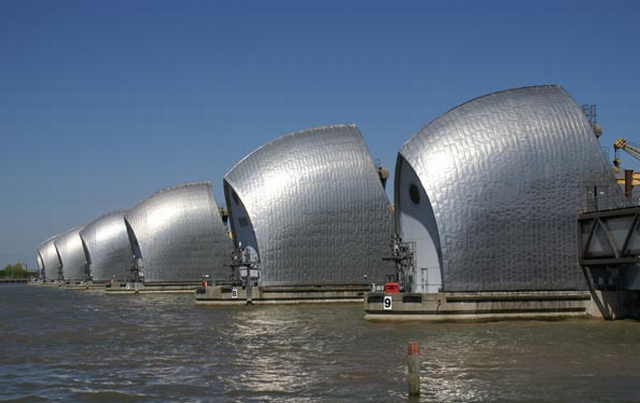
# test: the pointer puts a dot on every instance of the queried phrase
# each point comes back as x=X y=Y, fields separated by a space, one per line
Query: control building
x=177 y=235
x=40 y=266
x=50 y=260
x=311 y=208
x=490 y=193
x=107 y=248
x=72 y=256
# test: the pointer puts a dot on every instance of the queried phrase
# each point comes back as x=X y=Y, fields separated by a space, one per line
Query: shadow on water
x=85 y=346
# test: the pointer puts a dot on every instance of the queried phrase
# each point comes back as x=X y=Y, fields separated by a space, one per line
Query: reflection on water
x=85 y=346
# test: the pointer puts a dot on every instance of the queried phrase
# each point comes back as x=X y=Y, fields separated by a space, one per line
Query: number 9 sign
x=387 y=302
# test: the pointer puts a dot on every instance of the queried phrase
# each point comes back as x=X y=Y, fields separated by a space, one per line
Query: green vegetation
x=17 y=270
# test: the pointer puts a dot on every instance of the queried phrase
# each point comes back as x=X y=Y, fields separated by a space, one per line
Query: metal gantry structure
x=403 y=257
x=609 y=237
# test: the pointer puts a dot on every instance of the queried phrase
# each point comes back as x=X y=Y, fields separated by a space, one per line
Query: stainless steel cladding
x=313 y=208
x=180 y=234
x=490 y=192
x=72 y=256
x=50 y=259
x=107 y=247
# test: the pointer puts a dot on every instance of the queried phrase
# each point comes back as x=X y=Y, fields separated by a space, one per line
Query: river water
x=83 y=346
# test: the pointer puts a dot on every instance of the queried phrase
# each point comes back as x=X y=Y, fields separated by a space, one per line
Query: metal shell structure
x=107 y=247
x=491 y=190
x=179 y=235
x=50 y=260
x=72 y=256
x=313 y=208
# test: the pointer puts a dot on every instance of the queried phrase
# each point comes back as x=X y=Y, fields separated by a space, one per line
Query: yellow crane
x=631 y=149
x=623 y=144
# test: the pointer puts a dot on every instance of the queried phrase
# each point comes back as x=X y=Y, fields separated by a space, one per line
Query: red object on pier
x=391 y=288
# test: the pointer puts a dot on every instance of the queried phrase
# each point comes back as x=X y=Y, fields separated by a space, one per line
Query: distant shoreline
x=10 y=280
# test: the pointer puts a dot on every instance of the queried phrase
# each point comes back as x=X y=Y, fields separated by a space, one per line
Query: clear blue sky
x=105 y=102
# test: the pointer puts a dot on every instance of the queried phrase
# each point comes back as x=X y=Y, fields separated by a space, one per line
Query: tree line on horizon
x=18 y=270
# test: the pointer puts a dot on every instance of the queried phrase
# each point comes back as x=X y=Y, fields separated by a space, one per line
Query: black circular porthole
x=414 y=194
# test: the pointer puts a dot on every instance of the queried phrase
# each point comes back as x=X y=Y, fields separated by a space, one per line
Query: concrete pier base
x=84 y=286
x=37 y=283
x=492 y=306
x=52 y=284
x=237 y=295
x=612 y=305
x=77 y=285
x=128 y=288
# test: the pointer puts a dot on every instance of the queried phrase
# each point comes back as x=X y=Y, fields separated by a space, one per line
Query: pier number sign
x=234 y=293
x=387 y=302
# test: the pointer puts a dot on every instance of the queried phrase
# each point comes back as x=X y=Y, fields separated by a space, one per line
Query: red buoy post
x=413 y=352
